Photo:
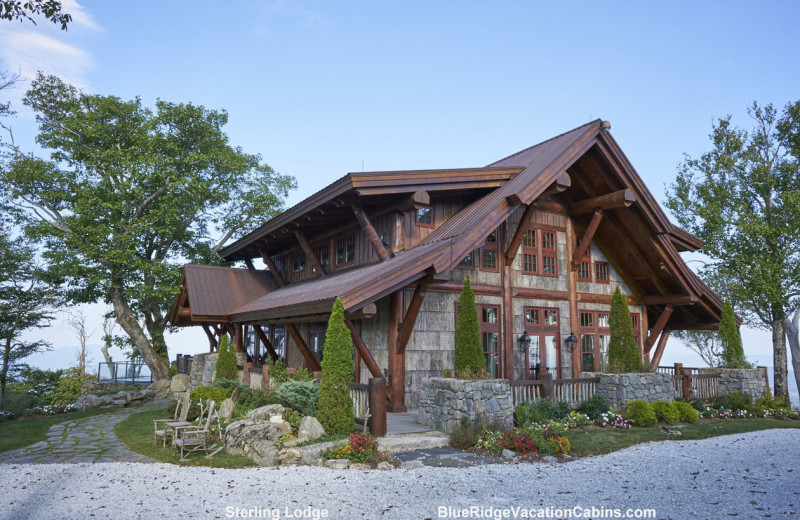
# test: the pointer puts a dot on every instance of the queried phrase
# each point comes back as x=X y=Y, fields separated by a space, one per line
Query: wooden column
x=398 y=232
x=311 y=361
x=377 y=406
x=643 y=335
x=267 y=343
x=662 y=342
x=238 y=338
x=397 y=361
x=507 y=369
x=411 y=314
x=574 y=318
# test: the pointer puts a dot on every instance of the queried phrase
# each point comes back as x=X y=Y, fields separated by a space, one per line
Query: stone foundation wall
x=204 y=366
x=746 y=380
x=618 y=389
x=444 y=402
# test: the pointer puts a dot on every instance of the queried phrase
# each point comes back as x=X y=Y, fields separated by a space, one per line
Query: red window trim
x=425 y=224
x=496 y=267
x=471 y=266
x=542 y=325
x=541 y=252
x=608 y=272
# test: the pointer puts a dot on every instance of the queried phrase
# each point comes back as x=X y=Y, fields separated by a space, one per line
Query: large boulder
x=265 y=412
x=240 y=435
x=264 y=453
x=309 y=429
x=88 y=402
x=226 y=409
x=179 y=383
x=160 y=388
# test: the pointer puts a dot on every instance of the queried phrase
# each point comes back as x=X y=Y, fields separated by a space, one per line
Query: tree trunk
x=793 y=333
x=780 y=388
x=104 y=350
x=4 y=371
x=158 y=364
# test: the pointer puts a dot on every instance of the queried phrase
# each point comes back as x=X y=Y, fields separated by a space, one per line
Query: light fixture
x=524 y=342
x=571 y=341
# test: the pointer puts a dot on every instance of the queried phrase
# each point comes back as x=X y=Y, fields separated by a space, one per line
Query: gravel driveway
x=752 y=475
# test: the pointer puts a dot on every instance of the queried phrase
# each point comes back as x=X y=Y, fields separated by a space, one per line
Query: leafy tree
x=24 y=305
x=24 y=9
x=623 y=354
x=335 y=406
x=704 y=342
x=732 y=352
x=226 y=361
x=741 y=198
x=129 y=195
x=469 y=349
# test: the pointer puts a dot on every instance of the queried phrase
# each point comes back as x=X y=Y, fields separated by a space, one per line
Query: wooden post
x=397 y=360
x=238 y=338
x=574 y=318
x=657 y=329
x=507 y=336
x=266 y=342
x=377 y=406
x=273 y=269
x=662 y=343
x=687 y=390
x=548 y=389
x=363 y=351
x=411 y=314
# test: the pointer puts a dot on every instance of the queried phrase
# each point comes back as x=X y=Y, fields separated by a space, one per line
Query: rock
x=226 y=409
x=106 y=400
x=179 y=383
x=235 y=394
x=240 y=434
x=87 y=402
x=309 y=429
x=312 y=453
x=265 y=412
x=412 y=464
x=161 y=384
x=148 y=393
x=507 y=454
x=549 y=459
x=263 y=453
x=360 y=465
x=289 y=456
x=276 y=419
x=337 y=463
x=385 y=466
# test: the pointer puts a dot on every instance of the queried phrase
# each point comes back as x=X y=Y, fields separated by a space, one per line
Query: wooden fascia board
x=399 y=178
x=410 y=188
x=180 y=298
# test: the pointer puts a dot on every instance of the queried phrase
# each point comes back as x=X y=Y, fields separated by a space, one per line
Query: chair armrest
x=156 y=421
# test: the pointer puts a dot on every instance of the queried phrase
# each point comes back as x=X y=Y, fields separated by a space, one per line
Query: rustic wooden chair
x=165 y=427
x=192 y=438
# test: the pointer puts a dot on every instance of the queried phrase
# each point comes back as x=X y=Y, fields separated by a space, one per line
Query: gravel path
x=752 y=475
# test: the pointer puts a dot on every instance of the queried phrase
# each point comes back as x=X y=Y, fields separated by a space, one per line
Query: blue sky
x=319 y=87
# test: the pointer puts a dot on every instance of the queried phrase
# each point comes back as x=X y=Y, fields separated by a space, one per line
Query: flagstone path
x=83 y=440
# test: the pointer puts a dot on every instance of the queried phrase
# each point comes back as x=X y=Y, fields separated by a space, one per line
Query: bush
x=252 y=399
x=299 y=395
x=686 y=412
x=226 y=361
x=277 y=372
x=230 y=384
x=294 y=418
x=640 y=413
x=666 y=412
x=360 y=448
x=210 y=392
x=732 y=352
x=335 y=406
x=735 y=400
x=68 y=387
x=469 y=349
x=467 y=433
x=623 y=354
x=594 y=406
x=549 y=438
x=302 y=374
x=773 y=404
x=523 y=414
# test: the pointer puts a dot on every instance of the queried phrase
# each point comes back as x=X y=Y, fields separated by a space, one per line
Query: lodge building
x=545 y=235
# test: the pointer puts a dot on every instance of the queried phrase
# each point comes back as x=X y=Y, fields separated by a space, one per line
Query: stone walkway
x=82 y=440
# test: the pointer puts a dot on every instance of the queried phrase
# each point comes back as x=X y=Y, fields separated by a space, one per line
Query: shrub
x=622 y=350
x=469 y=349
x=594 y=406
x=302 y=374
x=666 y=412
x=173 y=370
x=209 y=392
x=467 y=433
x=294 y=418
x=335 y=406
x=523 y=414
x=68 y=387
x=230 y=384
x=735 y=400
x=517 y=442
x=612 y=420
x=640 y=413
x=576 y=420
x=252 y=399
x=360 y=448
x=773 y=404
x=549 y=438
x=732 y=351
x=542 y=411
x=299 y=395
x=686 y=412
x=277 y=372
x=226 y=361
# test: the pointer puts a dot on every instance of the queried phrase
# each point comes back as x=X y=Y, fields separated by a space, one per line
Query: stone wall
x=746 y=380
x=618 y=389
x=204 y=366
x=444 y=402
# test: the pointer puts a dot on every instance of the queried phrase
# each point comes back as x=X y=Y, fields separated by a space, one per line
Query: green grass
x=598 y=441
x=29 y=430
x=136 y=432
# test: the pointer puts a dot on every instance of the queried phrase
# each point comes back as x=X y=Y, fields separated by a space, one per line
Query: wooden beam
x=695 y=326
x=372 y=235
x=309 y=251
x=273 y=270
x=617 y=199
x=519 y=234
x=662 y=342
x=363 y=351
x=411 y=313
x=419 y=200
x=267 y=343
x=561 y=183
x=364 y=314
x=552 y=206
x=670 y=299
x=572 y=285
x=586 y=240
x=514 y=200
x=249 y=264
x=212 y=341
x=398 y=233
x=506 y=370
x=397 y=362
x=311 y=361
x=658 y=327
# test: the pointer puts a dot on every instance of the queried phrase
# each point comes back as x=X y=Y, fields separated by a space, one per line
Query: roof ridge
x=543 y=142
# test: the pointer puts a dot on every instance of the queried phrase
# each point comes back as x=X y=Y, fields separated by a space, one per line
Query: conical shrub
x=623 y=354
x=335 y=406
x=469 y=349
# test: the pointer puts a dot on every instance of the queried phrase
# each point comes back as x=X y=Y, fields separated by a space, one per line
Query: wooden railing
x=574 y=391
x=184 y=364
x=360 y=395
x=677 y=385
x=526 y=391
x=705 y=386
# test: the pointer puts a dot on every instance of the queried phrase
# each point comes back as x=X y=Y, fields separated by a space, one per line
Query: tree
x=793 y=333
x=77 y=322
x=130 y=194
x=335 y=406
x=23 y=10
x=741 y=198
x=704 y=342
x=108 y=336
x=24 y=305
x=226 y=361
x=469 y=349
x=732 y=351
x=623 y=354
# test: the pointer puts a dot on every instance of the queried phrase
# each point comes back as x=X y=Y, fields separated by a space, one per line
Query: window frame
x=585 y=265
x=346 y=237
x=299 y=263
x=418 y=214
x=540 y=253
x=471 y=265
x=324 y=261
x=490 y=246
x=607 y=267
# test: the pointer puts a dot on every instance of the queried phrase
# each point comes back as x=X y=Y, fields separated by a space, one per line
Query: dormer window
x=425 y=217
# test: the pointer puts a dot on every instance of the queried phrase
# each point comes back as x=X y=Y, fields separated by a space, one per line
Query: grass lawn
x=29 y=430
x=598 y=441
x=136 y=432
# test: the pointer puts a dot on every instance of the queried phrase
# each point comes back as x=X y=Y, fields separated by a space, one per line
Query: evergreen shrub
x=335 y=406
x=469 y=355
x=666 y=412
x=640 y=413
x=299 y=395
x=623 y=354
x=226 y=361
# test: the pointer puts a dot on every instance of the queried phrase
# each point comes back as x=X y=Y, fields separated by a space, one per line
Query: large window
x=585 y=267
x=346 y=249
x=490 y=336
x=322 y=255
x=601 y=272
x=542 y=325
x=540 y=252
x=595 y=337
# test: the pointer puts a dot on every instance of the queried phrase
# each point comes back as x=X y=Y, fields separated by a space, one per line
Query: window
x=425 y=217
x=322 y=254
x=539 y=252
x=489 y=253
x=541 y=324
x=595 y=338
x=585 y=267
x=316 y=339
x=298 y=263
x=549 y=254
x=636 y=330
x=468 y=262
x=601 y=272
x=490 y=336
x=345 y=249
x=385 y=239
x=529 y=252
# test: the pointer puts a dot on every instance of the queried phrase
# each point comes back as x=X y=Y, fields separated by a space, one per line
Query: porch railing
x=133 y=372
x=573 y=391
x=370 y=398
x=360 y=395
x=705 y=387
x=184 y=364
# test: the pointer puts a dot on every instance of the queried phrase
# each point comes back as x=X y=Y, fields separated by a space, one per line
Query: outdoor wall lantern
x=524 y=342
x=571 y=341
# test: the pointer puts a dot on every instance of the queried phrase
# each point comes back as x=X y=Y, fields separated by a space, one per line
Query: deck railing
x=184 y=364
x=526 y=391
x=124 y=372
x=573 y=391
x=705 y=386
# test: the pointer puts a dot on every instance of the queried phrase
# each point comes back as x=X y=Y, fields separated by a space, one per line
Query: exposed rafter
x=586 y=240
x=411 y=314
x=658 y=327
x=266 y=342
x=309 y=251
x=522 y=228
x=369 y=230
x=363 y=351
x=617 y=199
x=670 y=299
x=273 y=269
x=311 y=361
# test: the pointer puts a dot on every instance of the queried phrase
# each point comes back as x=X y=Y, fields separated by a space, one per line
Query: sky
x=320 y=89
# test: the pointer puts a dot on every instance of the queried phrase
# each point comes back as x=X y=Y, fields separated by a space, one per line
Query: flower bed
x=360 y=448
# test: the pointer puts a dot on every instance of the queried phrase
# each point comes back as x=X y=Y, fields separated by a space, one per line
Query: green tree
x=25 y=304
x=732 y=351
x=742 y=199
x=704 y=342
x=129 y=195
x=24 y=10
x=226 y=361
x=335 y=406
x=623 y=354
x=469 y=349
